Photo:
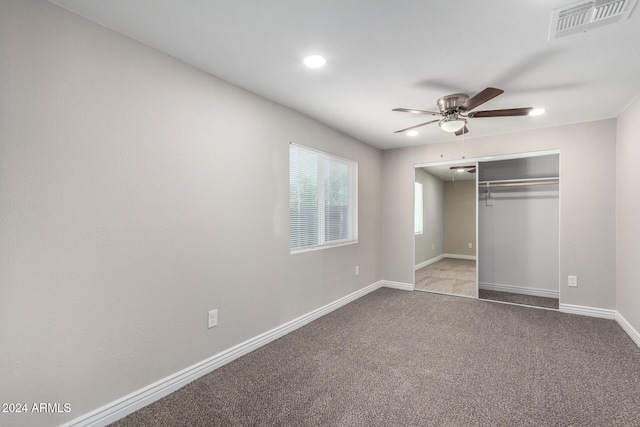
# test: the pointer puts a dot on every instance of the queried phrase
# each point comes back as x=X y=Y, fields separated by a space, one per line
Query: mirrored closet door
x=445 y=229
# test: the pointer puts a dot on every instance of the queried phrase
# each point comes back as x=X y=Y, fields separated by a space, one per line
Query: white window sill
x=327 y=246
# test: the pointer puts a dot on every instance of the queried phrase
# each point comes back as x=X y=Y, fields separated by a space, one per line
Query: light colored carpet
x=449 y=275
x=397 y=358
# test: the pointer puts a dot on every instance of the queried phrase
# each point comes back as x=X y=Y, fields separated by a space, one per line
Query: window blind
x=322 y=199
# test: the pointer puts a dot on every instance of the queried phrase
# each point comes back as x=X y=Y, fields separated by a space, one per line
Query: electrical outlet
x=213 y=319
x=573 y=281
x=433 y=246
x=470 y=245
x=357 y=270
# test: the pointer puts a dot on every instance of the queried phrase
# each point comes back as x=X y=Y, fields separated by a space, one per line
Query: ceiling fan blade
x=409 y=110
x=462 y=167
x=472 y=170
x=416 y=126
x=462 y=131
x=480 y=98
x=509 y=112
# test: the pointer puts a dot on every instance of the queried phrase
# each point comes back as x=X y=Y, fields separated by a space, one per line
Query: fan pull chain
x=463 y=144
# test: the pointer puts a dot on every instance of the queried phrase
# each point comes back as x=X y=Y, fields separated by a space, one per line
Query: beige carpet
x=450 y=276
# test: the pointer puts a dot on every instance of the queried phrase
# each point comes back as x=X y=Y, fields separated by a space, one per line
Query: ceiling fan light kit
x=460 y=169
x=452 y=125
x=455 y=110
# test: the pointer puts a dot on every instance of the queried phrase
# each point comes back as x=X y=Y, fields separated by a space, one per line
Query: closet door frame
x=477 y=161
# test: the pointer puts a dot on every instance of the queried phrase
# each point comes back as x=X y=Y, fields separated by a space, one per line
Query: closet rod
x=517 y=184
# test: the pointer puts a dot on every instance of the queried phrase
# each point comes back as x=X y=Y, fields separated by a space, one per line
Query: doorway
x=519 y=230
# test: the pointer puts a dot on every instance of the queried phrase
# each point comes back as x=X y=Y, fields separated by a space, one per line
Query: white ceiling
x=383 y=54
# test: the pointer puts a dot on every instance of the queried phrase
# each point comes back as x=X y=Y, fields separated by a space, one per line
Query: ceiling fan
x=470 y=168
x=456 y=109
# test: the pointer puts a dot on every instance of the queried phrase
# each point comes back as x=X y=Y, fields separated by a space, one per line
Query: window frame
x=353 y=201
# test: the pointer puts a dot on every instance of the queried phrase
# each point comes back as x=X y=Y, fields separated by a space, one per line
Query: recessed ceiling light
x=314 y=61
x=537 y=112
x=413 y=133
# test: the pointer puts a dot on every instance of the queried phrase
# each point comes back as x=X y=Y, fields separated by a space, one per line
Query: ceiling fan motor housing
x=451 y=102
x=455 y=109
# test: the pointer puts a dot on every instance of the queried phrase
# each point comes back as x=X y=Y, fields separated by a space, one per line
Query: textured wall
x=627 y=215
x=137 y=194
x=587 y=202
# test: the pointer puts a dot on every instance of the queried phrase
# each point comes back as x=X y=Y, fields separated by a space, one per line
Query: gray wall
x=519 y=230
x=522 y=168
x=460 y=217
x=587 y=206
x=627 y=215
x=137 y=194
x=430 y=243
x=518 y=238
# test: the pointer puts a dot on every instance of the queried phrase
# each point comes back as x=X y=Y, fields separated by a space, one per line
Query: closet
x=518 y=230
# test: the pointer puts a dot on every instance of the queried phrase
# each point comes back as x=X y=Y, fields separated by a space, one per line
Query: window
x=323 y=199
x=418 y=209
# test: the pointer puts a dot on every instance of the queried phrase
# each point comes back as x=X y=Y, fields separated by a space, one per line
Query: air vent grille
x=585 y=15
x=605 y=9
x=574 y=17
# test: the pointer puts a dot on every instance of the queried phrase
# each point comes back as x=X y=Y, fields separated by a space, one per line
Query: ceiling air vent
x=586 y=15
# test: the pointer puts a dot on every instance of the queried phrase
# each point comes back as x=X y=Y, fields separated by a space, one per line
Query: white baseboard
x=126 y=405
x=519 y=290
x=456 y=256
x=588 y=311
x=605 y=314
x=397 y=285
x=428 y=262
x=635 y=336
